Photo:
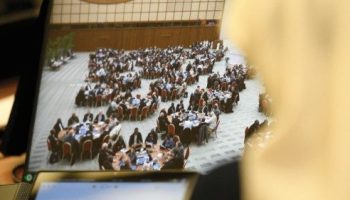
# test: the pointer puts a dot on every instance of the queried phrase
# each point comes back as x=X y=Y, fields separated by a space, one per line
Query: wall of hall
x=133 y=38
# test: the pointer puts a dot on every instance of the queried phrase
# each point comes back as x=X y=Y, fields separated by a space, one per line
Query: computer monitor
x=111 y=108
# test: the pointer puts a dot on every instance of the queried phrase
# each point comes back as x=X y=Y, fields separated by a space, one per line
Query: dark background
x=21 y=43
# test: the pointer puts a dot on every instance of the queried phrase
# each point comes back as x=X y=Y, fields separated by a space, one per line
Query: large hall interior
x=144 y=85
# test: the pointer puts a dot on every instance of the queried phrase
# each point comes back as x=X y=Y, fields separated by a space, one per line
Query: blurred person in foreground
x=301 y=50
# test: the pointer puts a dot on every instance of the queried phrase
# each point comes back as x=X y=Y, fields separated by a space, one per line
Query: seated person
x=88 y=116
x=69 y=138
x=176 y=160
x=216 y=111
x=135 y=140
x=180 y=106
x=143 y=103
x=202 y=132
x=169 y=142
x=171 y=109
x=125 y=162
x=163 y=122
x=176 y=121
x=58 y=126
x=251 y=130
x=100 y=117
x=73 y=120
x=117 y=143
x=211 y=121
x=55 y=147
x=136 y=101
x=105 y=158
x=151 y=139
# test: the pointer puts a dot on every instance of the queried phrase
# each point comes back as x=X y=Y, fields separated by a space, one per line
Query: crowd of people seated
x=102 y=93
x=188 y=125
x=175 y=68
x=206 y=100
x=255 y=128
x=81 y=137
x=108 y=61
x=233 y=79
x=132 y=156
x=157 y=62
x=168 y=88
x=126 y=106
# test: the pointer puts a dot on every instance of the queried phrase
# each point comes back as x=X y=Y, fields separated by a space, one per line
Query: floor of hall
x=59 y=88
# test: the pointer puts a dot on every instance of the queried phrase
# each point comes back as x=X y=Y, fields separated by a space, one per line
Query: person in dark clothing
x=105 y=158
x=142 y=104
x=152 y=138
x=175 y=162
x=180 y=106
x=80 y=98
x=118 y=143
x=100 y=117
x=171 y=109
x=88 y=116
x=176 y=121
x=135 y=140
x=58 y=126
x=163 y=122
x=73 y=120
x=54 y=142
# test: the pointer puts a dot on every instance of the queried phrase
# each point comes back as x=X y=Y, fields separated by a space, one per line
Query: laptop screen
x=120 y=93
x=94 y=185
x=106 y=190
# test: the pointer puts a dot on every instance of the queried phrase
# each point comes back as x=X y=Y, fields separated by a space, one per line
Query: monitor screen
x=139 y=95
x=112 y=185
x=173 y=190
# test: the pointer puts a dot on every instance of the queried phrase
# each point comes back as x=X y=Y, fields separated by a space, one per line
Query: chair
x=174 y=94
x=139 y=83
x=120 y=113
x=144 y=113
x=201 y=103
x=133 y=113
x=223 y=86
x=171 y=129
x=164 y=95
x=186 y=156
x=135 y=84
x=216 y=128
x=153 y=109
x=67 y=151
x=86 y=148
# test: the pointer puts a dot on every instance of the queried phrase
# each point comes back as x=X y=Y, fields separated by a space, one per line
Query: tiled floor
x=57 y=100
